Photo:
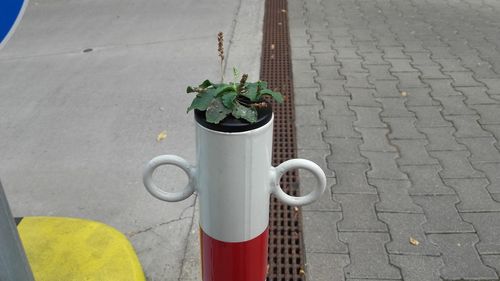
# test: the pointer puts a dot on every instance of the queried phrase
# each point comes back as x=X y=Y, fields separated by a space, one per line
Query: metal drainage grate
x=286 y=247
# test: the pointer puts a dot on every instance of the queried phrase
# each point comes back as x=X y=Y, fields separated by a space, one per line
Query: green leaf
x=224 y=88
x=216 y=111
x=205 y=84
x=251 y=92
x=247 y=113
x=228 y=99
x=275 y=95
x=202 y=100
x=190 y=89
x=262 y=84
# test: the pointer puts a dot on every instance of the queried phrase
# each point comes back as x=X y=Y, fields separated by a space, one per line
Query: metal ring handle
x=174 y=160
x=298 y=164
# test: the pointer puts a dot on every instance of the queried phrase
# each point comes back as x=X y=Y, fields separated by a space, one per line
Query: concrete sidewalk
x=400 y=101
x=86 y=87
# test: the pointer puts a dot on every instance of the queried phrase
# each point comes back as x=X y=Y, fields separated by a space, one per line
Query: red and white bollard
x=234 y=179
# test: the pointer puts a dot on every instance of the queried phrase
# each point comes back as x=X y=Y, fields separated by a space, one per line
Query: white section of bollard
x=234 y=179
x=233 y=182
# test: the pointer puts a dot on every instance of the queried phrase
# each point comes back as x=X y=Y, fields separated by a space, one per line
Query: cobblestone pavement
x=399 y=101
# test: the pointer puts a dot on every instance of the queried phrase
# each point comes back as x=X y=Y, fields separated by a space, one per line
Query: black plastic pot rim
x=233 y=125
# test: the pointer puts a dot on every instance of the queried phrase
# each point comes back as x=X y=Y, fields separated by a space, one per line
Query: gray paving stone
x=367 y=47
x=429 y=117
x=413 y=152
x=383 y=165
x=318 y=156
x=373 y=59
x=495 y=130
x=362 y=97
x=460 y=257
x=328 y=72
x=473 y=195
x=362 y=34
x=357 y=80
x=492 y=261
x=300 y=66
x=441 y=139
x=440 y=53
x=490 y=113
x=345 y=151
x=310 y=137
x=304 y=79
x=386 y=89
x=492 y=84
x=454 y=105
x=352 y=65
x=306 y=96
x=442 y=88
x=394 y=107
x=358 y=212
x=351 y=178
x=431 y=72
x=476 y=95
x=409 y=80
x=402 y=227
x=343 y=42
x=487 y=226
x=332 y=88
x=385 y=41
x=320 y=36
x=420 y=97
x=341 y=127
x=370 y=279
x=375 y=139
x=323 y=59
x=321 y=47
x=326 y=266
x=411 y=46
x=299 y=41
x=451 y=64
x=421 y=59
x=403 y=128
x=401 y=65
x=492 y=173
x=463 y=79
x=482 y=149
x=321 y=232
x=336 y=105
x=347 y=53
x=456 y=164
x=441 y=214
x=368 y=117
x=393 y=53
x=379 y=72
x=309 y=115
x=301 y=53
x=368 y=257
x=467 y=126
x=426 y=180
x=394 y=197
x=418 y=268
x=325 y=203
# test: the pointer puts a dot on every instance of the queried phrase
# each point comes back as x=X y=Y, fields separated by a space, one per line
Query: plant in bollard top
x=240 y=99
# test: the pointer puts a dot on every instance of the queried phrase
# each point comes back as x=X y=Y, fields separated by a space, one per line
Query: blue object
x=10 y=13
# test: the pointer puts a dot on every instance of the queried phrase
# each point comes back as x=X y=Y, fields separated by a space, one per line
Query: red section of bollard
x=231 y=261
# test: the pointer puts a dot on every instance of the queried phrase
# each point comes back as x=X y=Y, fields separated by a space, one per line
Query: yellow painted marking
x=68 y=249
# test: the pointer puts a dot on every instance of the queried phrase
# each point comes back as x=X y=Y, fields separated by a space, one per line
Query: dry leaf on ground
x=414 y=241
x=161 y=136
